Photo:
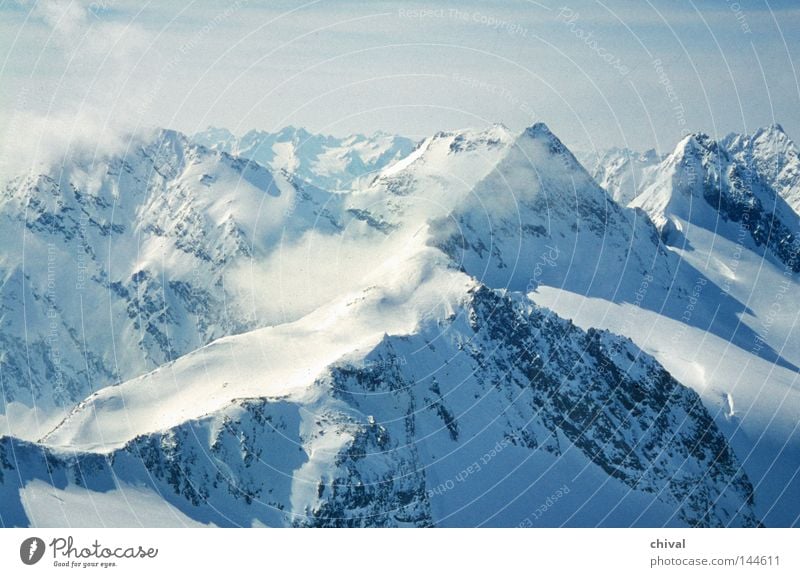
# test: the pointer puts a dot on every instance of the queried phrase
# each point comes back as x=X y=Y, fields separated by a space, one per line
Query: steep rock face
x=385 y=439
x=706 y=185
x=328 y=162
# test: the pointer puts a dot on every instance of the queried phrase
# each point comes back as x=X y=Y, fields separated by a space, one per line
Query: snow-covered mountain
x=325 y=161
x=705 y=185
x=112 y=268
x=735 y=235
x=383 y=357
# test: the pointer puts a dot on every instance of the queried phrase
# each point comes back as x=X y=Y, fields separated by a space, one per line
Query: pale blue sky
x=586 y=68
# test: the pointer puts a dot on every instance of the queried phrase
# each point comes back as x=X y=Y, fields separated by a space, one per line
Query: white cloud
x=81 y=105
x=301 y=276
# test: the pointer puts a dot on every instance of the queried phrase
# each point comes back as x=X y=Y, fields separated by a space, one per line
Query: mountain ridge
x=421 y=345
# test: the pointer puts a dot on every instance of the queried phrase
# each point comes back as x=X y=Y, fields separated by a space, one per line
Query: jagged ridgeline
x=383 y=442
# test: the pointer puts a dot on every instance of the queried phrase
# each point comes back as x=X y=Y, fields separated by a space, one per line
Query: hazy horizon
x=599 y=74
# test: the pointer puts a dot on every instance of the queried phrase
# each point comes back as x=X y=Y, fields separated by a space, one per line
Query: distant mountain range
x=324 y=161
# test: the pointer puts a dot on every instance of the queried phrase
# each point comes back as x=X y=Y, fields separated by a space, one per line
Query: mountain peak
x=539 y=129
x=773 y=133
x=541 y=133
x=693 y=144
x=773 y=128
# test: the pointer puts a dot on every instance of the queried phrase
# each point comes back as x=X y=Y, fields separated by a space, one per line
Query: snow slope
x=273 y=362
